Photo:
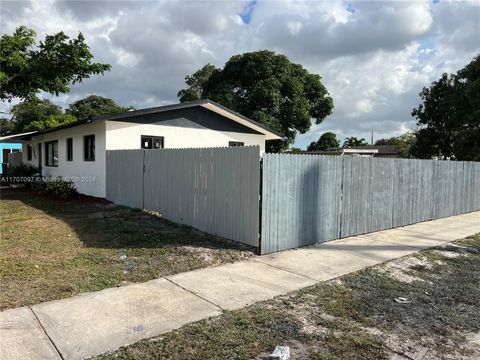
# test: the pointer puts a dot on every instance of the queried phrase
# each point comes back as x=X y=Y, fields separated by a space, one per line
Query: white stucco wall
x=88 y=176
x=122 y=135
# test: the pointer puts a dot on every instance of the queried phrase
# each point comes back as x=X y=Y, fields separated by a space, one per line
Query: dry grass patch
x=52 y=248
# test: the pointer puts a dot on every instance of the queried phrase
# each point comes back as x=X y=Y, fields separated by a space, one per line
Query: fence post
x=260 y=206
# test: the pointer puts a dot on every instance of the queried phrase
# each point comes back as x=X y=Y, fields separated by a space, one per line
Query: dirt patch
x=451 y=251
x=472 y=344
x=310 y=327
x=214 y=257
x=400 y=269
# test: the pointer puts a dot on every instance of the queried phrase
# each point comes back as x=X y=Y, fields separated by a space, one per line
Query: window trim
x=85 y=157
x=47 y=153
x=236 y=143
x=161 y=138
x=69 y=148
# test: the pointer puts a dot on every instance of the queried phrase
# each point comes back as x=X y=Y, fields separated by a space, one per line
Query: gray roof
x=153 y=110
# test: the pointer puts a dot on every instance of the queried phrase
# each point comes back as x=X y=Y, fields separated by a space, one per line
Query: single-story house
x=388 y=151
x=5 y=149
x=78 y=150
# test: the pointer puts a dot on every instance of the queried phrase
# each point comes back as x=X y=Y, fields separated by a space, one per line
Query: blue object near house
x=5 y=149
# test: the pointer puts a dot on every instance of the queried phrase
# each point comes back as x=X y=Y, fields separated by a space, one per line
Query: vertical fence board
x=300 y=202
x=381 y=190
x=124 y=177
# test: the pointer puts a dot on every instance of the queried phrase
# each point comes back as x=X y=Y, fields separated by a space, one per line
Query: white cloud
x=364 y=106
x=326 y=30
x=374 y=57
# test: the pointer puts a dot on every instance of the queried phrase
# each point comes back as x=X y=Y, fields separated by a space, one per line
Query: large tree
x=268 y=88
x=95 y=105
x=51 y=66
x=449 y=116
x=327 y=140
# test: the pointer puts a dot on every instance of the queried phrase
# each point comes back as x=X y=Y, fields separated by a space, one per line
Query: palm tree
x=353 y=141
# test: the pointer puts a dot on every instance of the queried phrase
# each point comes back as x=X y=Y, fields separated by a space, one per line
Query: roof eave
x=18 y=138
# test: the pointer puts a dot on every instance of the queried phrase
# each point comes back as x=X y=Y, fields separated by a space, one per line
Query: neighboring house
x=388 y=151
x=78 y=150
x=5 y=149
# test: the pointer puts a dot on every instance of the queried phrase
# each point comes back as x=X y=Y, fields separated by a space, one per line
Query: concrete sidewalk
x=94 y=323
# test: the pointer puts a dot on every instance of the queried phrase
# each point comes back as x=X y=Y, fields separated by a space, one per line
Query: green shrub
x=61 y=188
x=56 y=187
x=38 y=185
x=22 y=170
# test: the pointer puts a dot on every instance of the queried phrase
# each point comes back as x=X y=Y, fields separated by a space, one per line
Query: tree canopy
x=35 y=114
x=7 y=127
x=196 y=84
x=34 y=110
x=95 y=105
x=403 y=143
x=327 y=140
x=353 y=141
x=295 y=150
x=50 y=122
x=51 y=66
x=266 y=87
x=449 y=116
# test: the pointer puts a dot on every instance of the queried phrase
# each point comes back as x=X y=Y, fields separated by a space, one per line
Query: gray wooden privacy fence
x=215 y=190
x=307 y=199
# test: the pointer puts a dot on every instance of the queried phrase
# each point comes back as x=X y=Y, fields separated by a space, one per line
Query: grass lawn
x=353 y=317
x=52 y=248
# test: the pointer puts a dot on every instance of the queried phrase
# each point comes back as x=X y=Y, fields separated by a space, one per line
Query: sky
x=374 y=57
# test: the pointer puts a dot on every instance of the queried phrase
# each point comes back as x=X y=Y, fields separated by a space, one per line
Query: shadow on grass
x=99 y=223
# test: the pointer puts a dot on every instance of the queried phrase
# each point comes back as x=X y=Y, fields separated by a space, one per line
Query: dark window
x=235 y=143
x=40 y=160
x=29 y=152
x=5 y=153
x=51 y=153
x=151 y=142
x=89 y=147
x=69 y=149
